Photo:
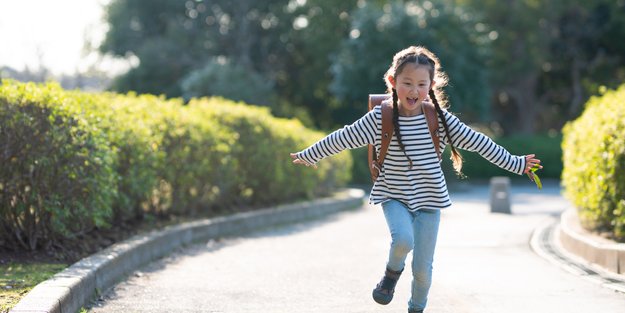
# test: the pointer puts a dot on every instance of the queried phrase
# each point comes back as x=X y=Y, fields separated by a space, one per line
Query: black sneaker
x=383 y=292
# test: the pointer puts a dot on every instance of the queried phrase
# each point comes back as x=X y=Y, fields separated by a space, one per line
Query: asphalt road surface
x=483 y=263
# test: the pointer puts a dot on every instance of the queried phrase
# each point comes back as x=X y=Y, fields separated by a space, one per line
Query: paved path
x=483 y=264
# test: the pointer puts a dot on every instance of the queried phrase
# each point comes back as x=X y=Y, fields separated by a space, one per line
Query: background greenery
x=523 y=72
x=594 y=163
x=519 y=77
x=519 y=70
x=79 y=162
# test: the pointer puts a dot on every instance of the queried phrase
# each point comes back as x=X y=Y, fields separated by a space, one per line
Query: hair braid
x=396 y=126
x=455 y=155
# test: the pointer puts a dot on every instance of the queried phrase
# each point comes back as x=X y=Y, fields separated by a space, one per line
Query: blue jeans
x=416 y=231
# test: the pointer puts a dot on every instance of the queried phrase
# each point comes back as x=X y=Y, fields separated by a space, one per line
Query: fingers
x=534 y=162
x=531 y=158
x=530 y=162
x=530 y=175
x=297 y=160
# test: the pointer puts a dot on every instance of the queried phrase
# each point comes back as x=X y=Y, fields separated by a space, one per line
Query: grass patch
x=17 y=280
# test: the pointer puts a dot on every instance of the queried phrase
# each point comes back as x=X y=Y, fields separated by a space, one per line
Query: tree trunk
x=576 y=82
x=524 y=99
x=243 y=38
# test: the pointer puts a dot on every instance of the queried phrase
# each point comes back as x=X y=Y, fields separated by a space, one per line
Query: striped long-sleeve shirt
x=423 y=186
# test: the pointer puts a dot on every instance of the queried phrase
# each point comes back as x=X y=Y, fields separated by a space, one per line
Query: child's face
x=412 y=85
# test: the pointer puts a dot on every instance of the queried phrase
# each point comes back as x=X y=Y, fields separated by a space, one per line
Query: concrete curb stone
x=71 y=289
x=592 y=248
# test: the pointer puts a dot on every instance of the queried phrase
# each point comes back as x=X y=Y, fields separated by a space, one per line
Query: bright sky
x=51 y=33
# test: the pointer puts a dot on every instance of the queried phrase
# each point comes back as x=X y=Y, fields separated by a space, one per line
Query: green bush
x=74 y=161
x=57 y=177
x=594 y=163
x=198 y=165
x=260 y=150
x=134 y=126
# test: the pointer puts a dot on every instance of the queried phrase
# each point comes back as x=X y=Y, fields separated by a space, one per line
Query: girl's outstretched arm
x=468 y=139
x=364 y=131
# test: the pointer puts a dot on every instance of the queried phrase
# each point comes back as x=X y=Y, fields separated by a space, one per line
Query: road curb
x=592 y=248
x=71 y=289
x=545 y=242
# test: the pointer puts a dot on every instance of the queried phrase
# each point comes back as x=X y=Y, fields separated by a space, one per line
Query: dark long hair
x=422 y=56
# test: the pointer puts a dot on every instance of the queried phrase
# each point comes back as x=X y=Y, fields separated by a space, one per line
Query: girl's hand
x=531 y=161
x=532 y=165
x=297 y=160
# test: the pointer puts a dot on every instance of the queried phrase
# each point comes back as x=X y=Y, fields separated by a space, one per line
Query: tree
x=379 y=32
x=535 y=62
x=156 y=33
x=518 y=28
x=548 y=57
x=287 y=42
x=172 y=38
x=584 y=54
x=319 y=26
x=233 y=81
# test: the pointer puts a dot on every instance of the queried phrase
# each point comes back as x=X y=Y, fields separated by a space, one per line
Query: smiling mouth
x=412 y=101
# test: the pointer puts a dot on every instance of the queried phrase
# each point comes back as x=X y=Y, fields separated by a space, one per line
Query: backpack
x=375 y=161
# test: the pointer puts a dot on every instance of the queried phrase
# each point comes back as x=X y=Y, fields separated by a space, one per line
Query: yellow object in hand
x=534 y=177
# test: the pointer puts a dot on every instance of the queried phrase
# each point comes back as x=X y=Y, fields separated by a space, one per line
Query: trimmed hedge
x=57 y=176
x=74 y=161
x=594 y=163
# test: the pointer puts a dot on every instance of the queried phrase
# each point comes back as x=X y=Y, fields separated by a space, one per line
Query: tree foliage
x=230 y=80
x=585 y=53
x=549 y=57
x=378 y=33
x=528 y=64
x=287 y=42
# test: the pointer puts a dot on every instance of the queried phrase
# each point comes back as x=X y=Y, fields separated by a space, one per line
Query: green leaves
x=79 y=161
x=594 y=163
x=60 y=164
x=362 y=59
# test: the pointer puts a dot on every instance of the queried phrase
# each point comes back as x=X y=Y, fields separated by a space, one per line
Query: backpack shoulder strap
x=387 y=130
x=376 y=99
x=430 y=115
x=375 y=161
